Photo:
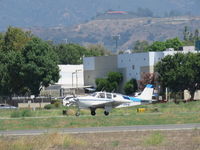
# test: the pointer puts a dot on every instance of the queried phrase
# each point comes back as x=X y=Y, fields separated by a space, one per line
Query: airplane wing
x=111 y=103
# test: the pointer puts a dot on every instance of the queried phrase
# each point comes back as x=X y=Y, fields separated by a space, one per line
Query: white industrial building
x=130 y=65
x=71 y=80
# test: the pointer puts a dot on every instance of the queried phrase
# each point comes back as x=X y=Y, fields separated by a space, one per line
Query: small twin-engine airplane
x=107 y=101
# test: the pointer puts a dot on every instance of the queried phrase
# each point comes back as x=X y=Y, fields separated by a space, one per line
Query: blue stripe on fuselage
x=134 y=99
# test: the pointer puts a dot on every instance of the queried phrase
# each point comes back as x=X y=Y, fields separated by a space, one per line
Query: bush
x=130 y=87
x=49 y=106
x=57 y=104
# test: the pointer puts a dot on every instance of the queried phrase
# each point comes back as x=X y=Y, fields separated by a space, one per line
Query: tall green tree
x=186 y=33
x=96 y=50
x=1 y=41
x=180 y=72
x=196 y=35
x=173 y=43
x=40 y=67
x=110 y=83
x=15 y=39
x=157 y=46
x=70 y=53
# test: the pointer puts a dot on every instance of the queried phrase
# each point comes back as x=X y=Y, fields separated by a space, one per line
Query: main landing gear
x=106 y=113
x=93 y=113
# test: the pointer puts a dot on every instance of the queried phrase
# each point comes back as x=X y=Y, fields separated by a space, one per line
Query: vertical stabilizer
x=147 y=93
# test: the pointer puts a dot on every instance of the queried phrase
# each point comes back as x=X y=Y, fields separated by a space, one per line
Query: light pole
x=116 y=38
x=73 y=78
x=77 y=77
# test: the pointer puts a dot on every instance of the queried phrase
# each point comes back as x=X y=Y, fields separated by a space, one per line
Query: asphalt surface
x=104 y=129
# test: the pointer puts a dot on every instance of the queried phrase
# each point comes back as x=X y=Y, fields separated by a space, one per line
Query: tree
x=97 y=50
x=70 y=53
x=180 y=72
x=196 y=35
x=115 y=77
x=109 y=84
x=40 y=67
x=102 y=84
x=173 y=43
x=73 y=53
x=130 y=86
x=147 y=78
x=157 y=46
x=26 y=63
x=186 y=33
x=140 y=46
x=15 y=39
x=1 y=41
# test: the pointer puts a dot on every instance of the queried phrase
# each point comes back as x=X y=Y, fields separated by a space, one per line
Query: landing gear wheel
x=77 y=114
x=93 y=113
x=106 y=113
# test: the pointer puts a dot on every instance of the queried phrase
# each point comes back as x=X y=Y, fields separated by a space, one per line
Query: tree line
x=189 y=39
x=28 y=63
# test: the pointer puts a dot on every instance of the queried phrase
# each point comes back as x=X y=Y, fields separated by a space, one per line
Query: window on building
x=133 y=67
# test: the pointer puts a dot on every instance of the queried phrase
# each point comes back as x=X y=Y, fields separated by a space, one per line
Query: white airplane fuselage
x=107 y=101
x=97 y=102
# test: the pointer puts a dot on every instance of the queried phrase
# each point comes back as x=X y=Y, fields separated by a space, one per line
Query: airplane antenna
x=113 y=90
x=102 y=89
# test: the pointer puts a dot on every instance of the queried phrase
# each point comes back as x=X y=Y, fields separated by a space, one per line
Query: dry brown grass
x=138 y=140
x=51 y=141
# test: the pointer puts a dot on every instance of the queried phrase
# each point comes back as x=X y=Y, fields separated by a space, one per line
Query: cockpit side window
x=102 y=95
x=114 y=95
x=108 y=95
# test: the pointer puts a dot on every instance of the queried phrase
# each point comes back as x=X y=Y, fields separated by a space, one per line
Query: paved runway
x=104 y=129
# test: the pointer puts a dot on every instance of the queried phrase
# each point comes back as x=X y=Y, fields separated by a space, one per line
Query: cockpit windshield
x=94 y=94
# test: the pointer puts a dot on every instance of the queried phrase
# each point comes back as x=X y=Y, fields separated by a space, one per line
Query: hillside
x=49 y=13
x=130 y=30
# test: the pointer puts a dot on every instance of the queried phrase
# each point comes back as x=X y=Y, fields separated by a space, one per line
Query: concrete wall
x=133 y=64
x=32 y=105
x=98 y=67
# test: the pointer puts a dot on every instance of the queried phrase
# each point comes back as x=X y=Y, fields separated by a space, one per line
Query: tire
x=77 y=114
x=93 y=113
x=106 y=113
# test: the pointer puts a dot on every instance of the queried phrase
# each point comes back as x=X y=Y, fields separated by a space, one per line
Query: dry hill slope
x=130 y=30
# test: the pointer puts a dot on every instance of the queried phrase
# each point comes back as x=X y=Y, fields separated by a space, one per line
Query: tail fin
x=147 y=93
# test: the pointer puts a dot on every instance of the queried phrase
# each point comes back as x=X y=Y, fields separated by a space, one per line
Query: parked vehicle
x=5 y=106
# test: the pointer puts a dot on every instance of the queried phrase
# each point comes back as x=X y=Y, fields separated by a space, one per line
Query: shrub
x=49 y=106
x=57 y=104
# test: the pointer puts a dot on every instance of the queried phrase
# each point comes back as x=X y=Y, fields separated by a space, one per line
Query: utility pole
x=116 y=38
